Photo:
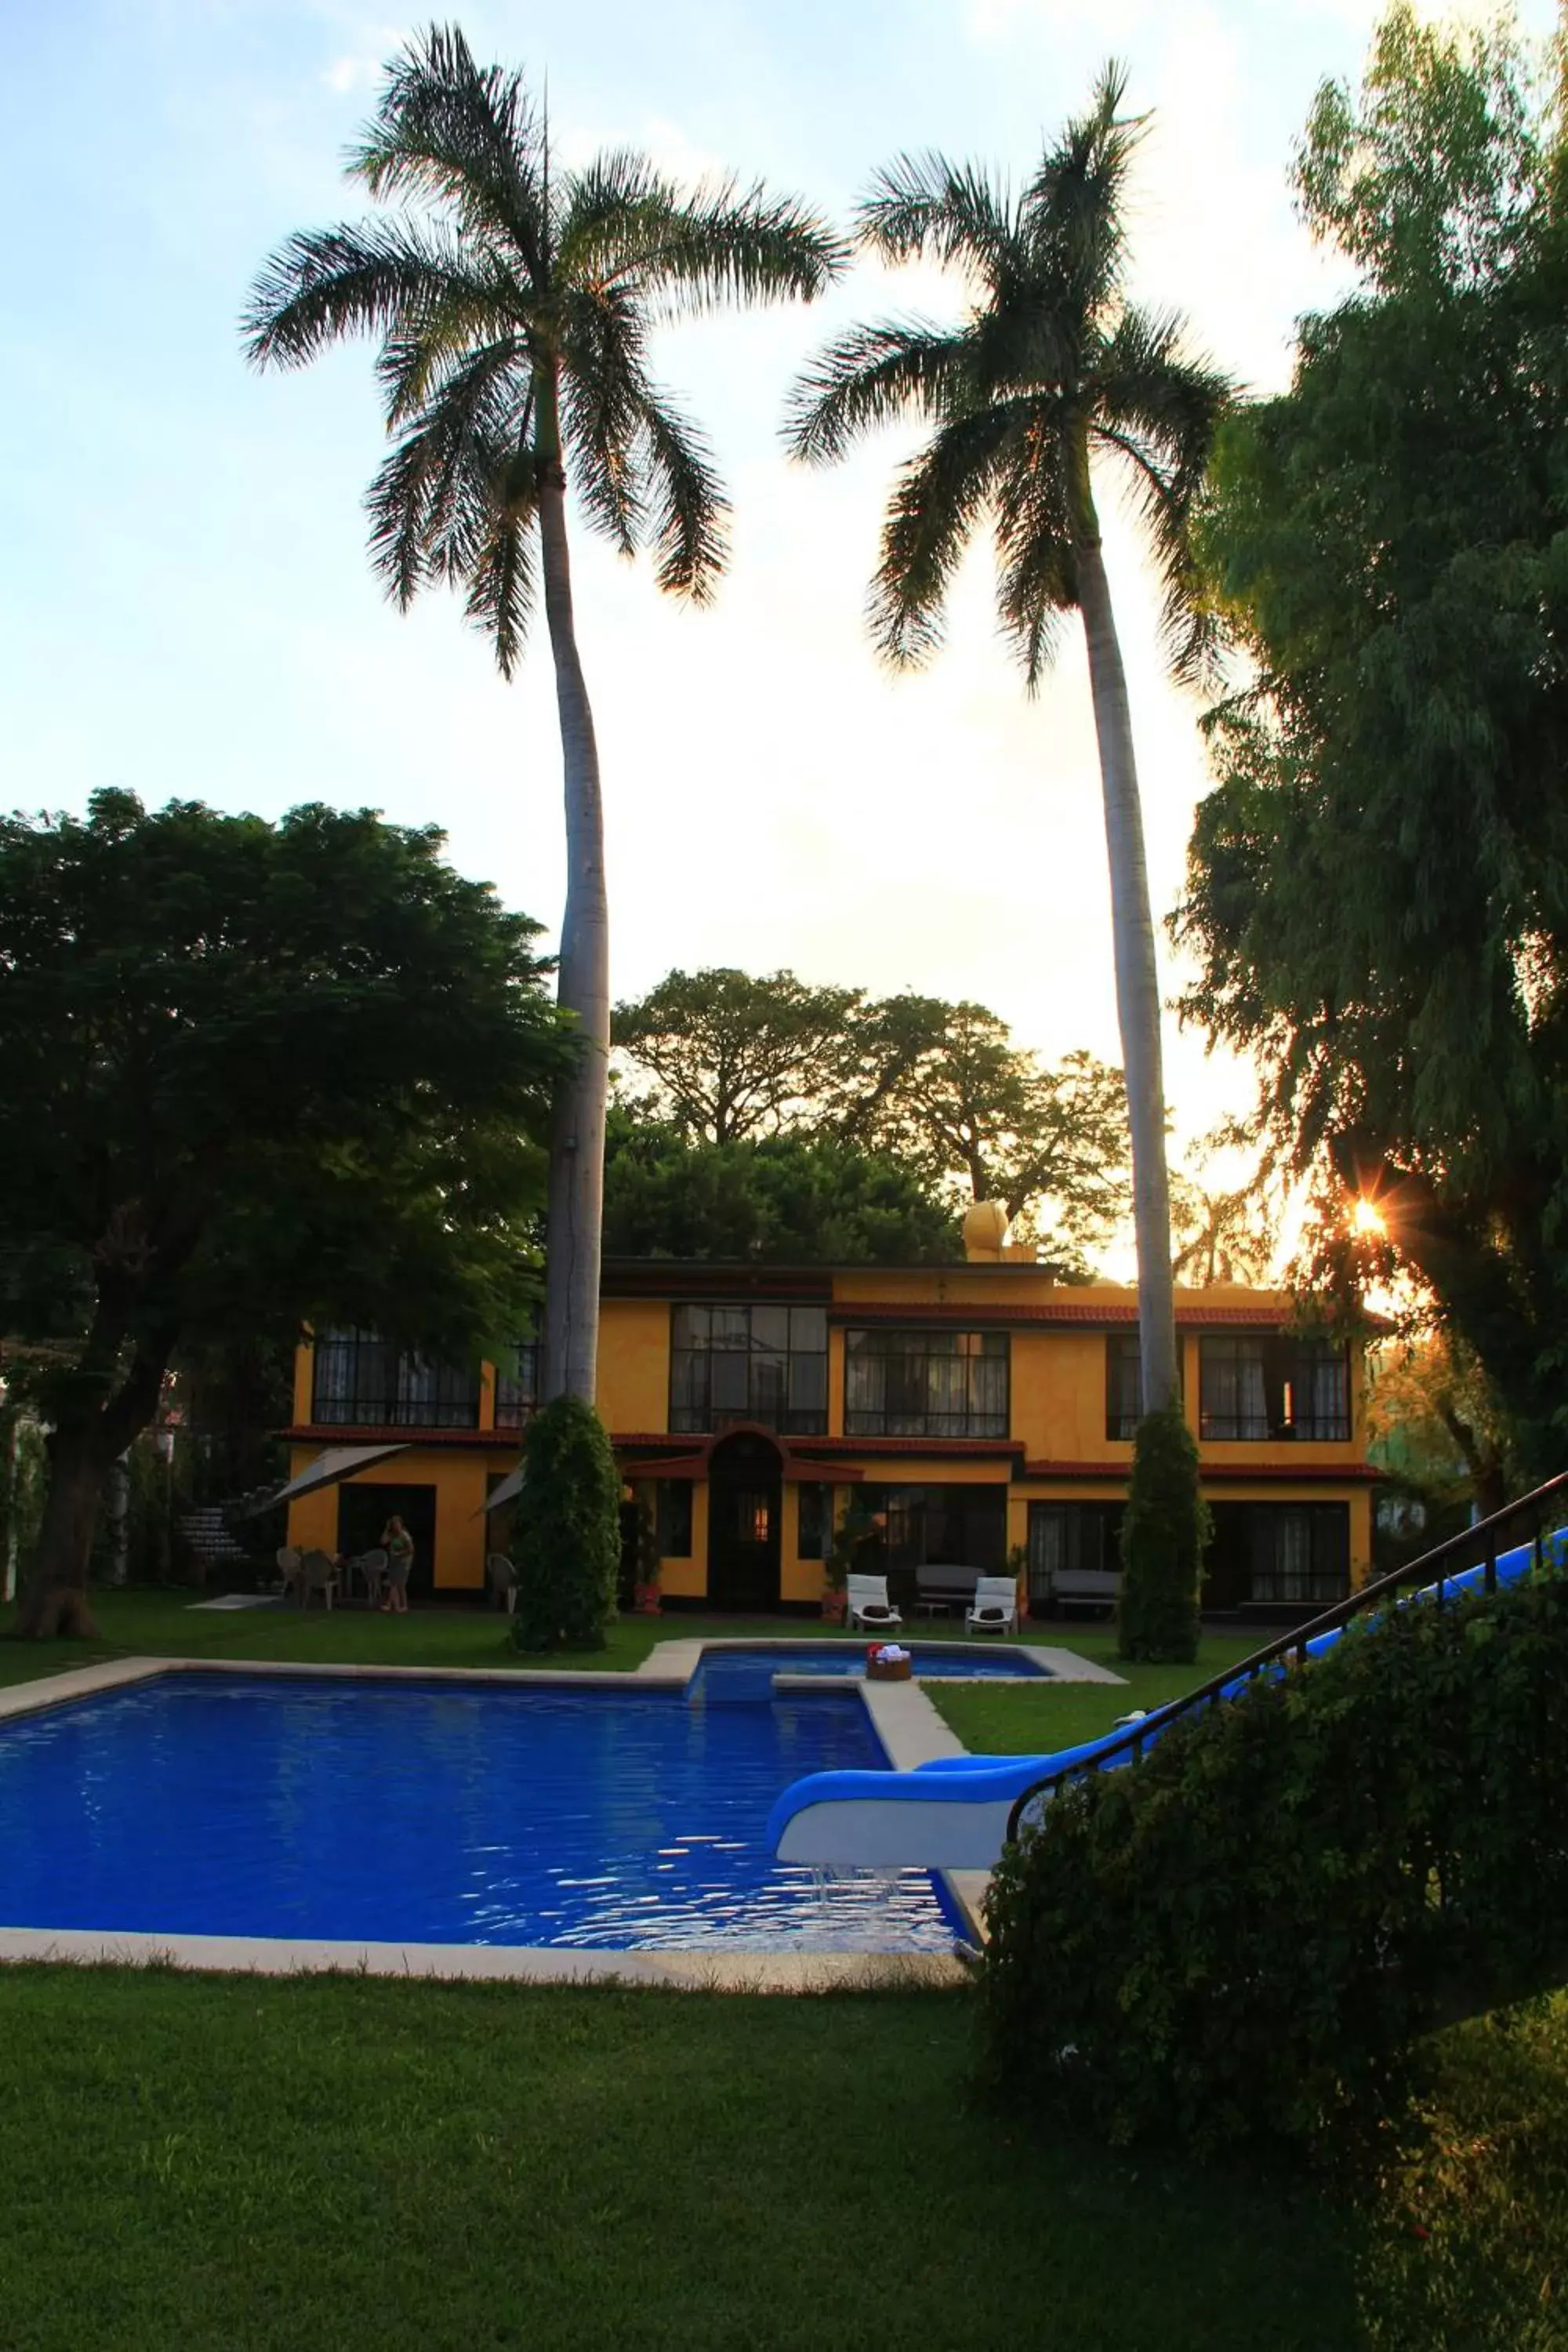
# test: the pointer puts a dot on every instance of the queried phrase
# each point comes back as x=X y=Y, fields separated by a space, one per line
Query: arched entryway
x=745 y=1501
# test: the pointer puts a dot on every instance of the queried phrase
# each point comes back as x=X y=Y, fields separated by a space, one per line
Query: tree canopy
x=795 y=1199
x=1378 y=884
x=251 y=1075
x=938 y=1091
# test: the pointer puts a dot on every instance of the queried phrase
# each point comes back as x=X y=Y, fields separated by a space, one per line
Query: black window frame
x=887 y=1345
x=934 y=1523
x=384 y=1387
x=1123 y=1384
x=1070 y=1538
x=672 y=1518
x=1285 y=1366
x=728 y=1363
x=517 y=1389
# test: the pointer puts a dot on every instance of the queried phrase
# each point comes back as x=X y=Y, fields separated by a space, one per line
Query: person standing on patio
x=398 y=1545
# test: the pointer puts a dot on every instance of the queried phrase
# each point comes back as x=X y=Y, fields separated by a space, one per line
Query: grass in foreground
x=356 y=2162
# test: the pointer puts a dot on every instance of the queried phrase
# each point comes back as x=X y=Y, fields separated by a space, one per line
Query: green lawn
x=219 y=2163
x=1013 y=1720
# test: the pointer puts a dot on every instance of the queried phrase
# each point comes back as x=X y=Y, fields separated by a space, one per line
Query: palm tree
x=1052 y=370
x=514 y=308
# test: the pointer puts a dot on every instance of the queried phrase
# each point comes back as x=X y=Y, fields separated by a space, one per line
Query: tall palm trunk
x=578 y=1134
x=1137 y=977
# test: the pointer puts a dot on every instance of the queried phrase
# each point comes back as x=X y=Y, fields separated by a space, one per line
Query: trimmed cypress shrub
x=1247 y=1933
x=566 y=1530
x=1164 y=1531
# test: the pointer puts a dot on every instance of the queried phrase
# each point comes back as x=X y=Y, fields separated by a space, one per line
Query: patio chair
x=288 y=1561
x=370 y=1568
x=995 y=1608
x=501 y=1578
x=869 y=1605
x=317 y=1573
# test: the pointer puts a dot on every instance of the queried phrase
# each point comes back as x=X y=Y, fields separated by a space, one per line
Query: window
x=1123 y=1384
x=517 y=1384
x=925 y=1384
x=950 y=1526
x=815 y=1531
x=1067 y=1539
x=1279 y=1554
x=1316 y=1397
x=672 y=1518
x=1274 y=1384
x=749 y=1363
x=364 y=1381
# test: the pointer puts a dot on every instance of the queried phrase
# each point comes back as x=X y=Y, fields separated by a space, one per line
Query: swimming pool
x=367 y=1811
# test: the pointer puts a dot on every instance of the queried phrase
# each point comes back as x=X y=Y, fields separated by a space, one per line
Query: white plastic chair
x=869 y=1605
x=317 y=1573
x=995 y=1608
x=501 y=1578
x=289 y=1565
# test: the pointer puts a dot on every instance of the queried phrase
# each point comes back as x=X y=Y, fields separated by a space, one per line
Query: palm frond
x=725 y=244
x=939 y=498
x=386 y=278
x=1159 y=412
x=690 y=517
x=433 y=500
x=611 y=210
x=922 y=208
x=453 y=133
x=1036 y=584
x=1074 y=208
x=501 y=577
x=604 y=390
x=874 y=375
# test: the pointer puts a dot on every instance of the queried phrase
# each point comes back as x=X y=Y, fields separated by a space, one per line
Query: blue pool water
x=425 y=1812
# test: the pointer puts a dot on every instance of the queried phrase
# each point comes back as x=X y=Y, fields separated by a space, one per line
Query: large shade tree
x=514 y=303
x=251 y=1076
x=1378 y=884
x=1053 y=374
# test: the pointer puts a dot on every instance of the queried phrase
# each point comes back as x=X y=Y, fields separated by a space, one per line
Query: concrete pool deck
x=908 y=1725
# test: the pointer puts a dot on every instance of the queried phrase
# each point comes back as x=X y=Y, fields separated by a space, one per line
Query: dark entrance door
x=363 y=1511
x=744 y=1499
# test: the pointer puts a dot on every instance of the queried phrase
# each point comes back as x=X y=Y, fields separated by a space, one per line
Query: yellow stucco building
x=974 y=1411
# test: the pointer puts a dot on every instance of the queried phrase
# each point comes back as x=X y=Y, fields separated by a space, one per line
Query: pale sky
x=185 y=606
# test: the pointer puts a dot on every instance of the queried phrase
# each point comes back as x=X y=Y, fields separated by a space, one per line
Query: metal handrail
x=1432 y=1568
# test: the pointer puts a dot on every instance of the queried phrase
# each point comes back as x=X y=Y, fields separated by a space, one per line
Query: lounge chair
x=995 y=1608
x=501 y=1578
x=869 y=1605
x=317 y=1573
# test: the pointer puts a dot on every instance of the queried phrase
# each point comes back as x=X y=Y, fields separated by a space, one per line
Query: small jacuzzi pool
x=746 y=1674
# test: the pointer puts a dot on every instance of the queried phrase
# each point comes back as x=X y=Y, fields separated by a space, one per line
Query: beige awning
x=339 y=1462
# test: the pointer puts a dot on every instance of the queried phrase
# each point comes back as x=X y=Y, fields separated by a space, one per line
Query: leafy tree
x=790 y=1199
x=1433 y=1422
x=514 y=310
x=940 y=1089
x=1051 y=373
x=1164 y=1532
x=250 y=1074
x=566 y=1530
x=729 y=1055
x=951 y=1095
x=1378 y=884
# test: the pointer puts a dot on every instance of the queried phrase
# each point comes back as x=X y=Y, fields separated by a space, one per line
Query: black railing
x=1482 y=1546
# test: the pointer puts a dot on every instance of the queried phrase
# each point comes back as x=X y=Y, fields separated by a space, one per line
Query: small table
x=931 y=1608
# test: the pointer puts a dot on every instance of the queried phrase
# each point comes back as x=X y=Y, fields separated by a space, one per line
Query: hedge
x=566 y=1530
x=1247 y=1933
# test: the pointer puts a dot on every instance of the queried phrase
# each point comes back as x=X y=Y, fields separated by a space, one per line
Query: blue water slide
x=953 y=1813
